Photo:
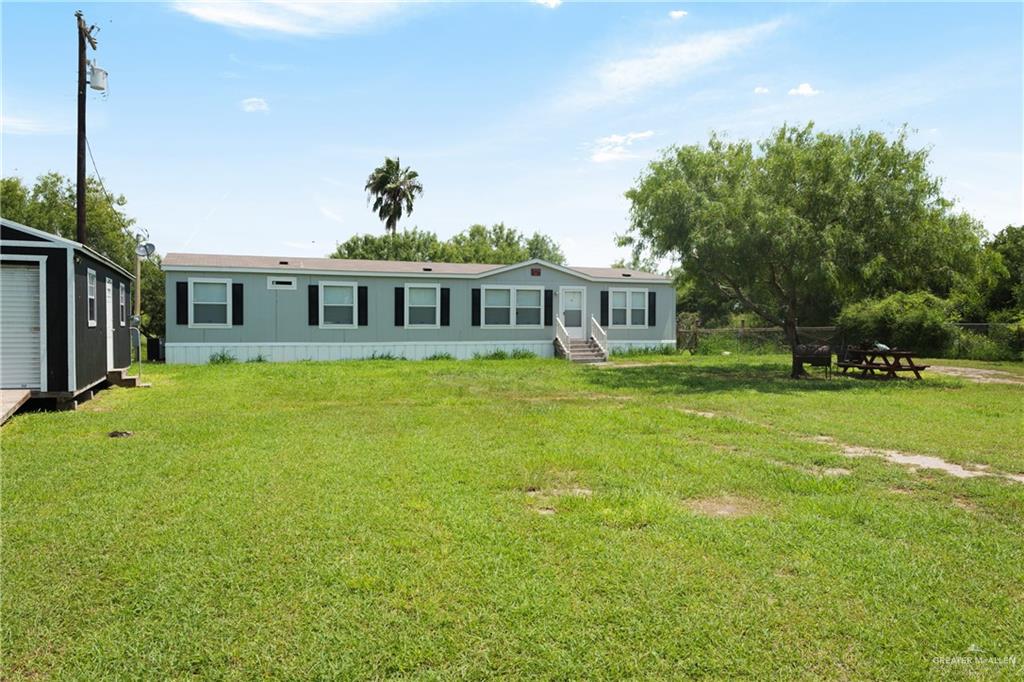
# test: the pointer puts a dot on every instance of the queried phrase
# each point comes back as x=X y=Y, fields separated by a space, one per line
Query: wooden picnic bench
x=887 y=363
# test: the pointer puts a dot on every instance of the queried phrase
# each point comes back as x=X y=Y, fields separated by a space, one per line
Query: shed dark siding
x=91 y=341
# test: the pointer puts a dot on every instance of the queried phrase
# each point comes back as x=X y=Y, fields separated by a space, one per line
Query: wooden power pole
x=84 y=36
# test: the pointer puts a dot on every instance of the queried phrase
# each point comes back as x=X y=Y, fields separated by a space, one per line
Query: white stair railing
x=600 y=336
x=562 y=337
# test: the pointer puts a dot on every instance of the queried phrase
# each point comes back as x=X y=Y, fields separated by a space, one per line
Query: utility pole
x=84 y=36
x=138 y=280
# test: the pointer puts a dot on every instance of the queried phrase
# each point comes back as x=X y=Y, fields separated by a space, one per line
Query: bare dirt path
x=981 y=376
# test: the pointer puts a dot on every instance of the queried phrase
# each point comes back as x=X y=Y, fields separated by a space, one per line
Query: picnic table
x=888 y=363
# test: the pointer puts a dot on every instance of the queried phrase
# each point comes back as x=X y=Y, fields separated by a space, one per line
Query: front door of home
x=572 y=305
x=110 y=324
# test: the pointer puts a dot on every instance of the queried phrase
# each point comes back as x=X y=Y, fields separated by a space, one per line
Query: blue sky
x=251 y=128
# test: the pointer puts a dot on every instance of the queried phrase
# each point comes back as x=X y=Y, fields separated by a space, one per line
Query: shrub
x=635 y=351
x=259 y=357
x=918 y=322
x=522 y=354
x=222 y=358
x=972 y=346
x=496 y=355
x=386 y=356
x=440 y=356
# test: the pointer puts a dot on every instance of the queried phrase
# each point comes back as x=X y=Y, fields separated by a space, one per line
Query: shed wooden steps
x=119 y=377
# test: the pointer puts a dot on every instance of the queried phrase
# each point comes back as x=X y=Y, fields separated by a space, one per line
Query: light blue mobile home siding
x=275 y=323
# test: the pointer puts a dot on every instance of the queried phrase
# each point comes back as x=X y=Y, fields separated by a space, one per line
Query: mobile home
x=283 y=309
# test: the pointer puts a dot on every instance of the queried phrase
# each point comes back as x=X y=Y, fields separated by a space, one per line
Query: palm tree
x=392 y=190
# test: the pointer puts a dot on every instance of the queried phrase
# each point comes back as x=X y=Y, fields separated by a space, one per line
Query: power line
x=106 y=195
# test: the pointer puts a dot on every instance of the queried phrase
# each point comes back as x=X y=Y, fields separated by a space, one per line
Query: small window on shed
x=123 y=305
x=90 y=292
x=280 y=282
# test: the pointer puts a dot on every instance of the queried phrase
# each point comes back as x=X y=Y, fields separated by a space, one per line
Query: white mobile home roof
x=204 y=261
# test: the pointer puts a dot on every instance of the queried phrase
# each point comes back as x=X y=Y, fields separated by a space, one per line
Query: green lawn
x=520 y=518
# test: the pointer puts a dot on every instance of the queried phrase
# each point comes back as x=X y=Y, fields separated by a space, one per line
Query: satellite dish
x=144 y=250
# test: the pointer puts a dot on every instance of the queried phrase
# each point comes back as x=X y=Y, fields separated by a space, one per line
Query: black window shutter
x=604 y=308
x=237 y=304
x=474 y=302
x=652 y=301
x=446 y=307
x=364 y=314
x=549 y=307
x=399 y=306
x=181 y=302
x=314 y=305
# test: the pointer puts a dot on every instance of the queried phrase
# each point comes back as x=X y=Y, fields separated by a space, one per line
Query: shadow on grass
x=762 y=377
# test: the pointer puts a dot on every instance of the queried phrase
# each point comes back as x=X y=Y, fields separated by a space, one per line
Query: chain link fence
x=977 y=341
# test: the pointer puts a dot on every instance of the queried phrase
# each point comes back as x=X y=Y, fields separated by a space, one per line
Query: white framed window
x=423 y=305
x=339 y=305
x=628 y=307
x=512 y=307
x=209 y=302
x=90 y=297
x=123 y=307
x=281 y=282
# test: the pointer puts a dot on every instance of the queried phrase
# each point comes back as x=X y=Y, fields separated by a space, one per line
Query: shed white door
x=110 y=325
x=21 y=359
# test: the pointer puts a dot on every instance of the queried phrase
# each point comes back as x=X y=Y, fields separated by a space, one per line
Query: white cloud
x=550 y=4
x=804 y=90
x=761 y=90
x=330 y=214
x=677 y=14
x=17 y=125
x=255 y=104
x=664 y=66
x=616 y=147
x=285 y=16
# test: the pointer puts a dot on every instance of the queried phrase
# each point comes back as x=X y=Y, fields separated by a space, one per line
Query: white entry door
x=572 y=307
x=110 y=324
x=21 y=326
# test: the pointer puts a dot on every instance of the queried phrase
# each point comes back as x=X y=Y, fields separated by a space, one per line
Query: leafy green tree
x=49 y=205
x=393 y=189
x=1006 y=295
x=408 y=245
x=544 y=247
x=477 y=244
x=800 y=224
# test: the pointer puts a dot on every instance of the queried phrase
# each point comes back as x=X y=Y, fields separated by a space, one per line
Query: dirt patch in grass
x=575 y=396
x=626 y=365
x=918 y=462
x=979 y=376
x=545 y=511
x=965 y=504
x=573 y=492
x=725 y=506
x=698 y=413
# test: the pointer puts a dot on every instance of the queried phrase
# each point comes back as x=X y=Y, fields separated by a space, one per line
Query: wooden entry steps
x=119 y=377
x=586 y=351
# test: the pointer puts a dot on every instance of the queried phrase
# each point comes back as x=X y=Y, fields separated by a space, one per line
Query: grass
x=525 y=518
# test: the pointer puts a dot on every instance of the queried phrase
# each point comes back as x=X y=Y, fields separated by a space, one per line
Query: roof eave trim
x=418 y=275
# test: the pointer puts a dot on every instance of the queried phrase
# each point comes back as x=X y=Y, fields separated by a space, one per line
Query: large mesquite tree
x=803 y=221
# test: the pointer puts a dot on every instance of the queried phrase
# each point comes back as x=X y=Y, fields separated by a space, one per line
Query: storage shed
x=64 y=315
